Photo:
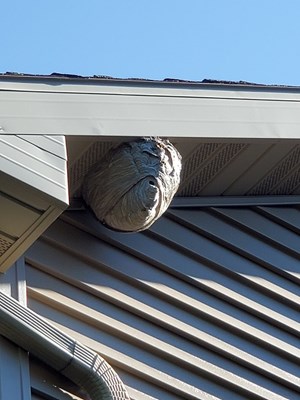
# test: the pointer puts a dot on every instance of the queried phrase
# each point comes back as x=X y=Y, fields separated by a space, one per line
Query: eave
x=236 y=139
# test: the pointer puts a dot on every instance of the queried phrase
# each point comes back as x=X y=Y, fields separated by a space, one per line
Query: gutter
x=73 y=360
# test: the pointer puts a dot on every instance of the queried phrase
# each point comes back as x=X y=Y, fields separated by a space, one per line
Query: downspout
x=78 y=363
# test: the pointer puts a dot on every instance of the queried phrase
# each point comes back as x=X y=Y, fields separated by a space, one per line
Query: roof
x=165 y=81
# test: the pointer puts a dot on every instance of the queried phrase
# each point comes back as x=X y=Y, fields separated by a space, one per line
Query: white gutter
x=78 y=363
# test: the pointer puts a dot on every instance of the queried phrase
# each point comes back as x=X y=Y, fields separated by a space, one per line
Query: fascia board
x=133 y=111
x=30 y=235
x=156 y=88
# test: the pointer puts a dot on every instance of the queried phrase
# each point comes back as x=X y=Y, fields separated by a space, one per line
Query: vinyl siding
x=203 y=305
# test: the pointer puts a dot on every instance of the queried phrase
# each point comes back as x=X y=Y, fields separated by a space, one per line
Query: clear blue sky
x=251 y=40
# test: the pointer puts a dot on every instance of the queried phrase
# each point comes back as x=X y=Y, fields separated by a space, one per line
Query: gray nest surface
x=134 y=184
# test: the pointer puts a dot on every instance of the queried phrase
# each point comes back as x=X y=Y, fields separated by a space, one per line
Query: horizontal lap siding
x=204 y=305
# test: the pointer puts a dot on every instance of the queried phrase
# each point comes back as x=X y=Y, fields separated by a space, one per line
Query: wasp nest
x=134 y=184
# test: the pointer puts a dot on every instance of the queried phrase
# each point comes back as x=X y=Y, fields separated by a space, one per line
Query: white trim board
x=234 y=201
x=77 y=204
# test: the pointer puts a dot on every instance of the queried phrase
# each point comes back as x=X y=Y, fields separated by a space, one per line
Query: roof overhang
x=235 y=139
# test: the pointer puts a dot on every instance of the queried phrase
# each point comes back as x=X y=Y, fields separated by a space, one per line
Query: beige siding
x=204 y=305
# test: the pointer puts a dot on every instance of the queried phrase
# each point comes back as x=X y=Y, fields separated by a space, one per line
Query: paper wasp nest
x=134 y=184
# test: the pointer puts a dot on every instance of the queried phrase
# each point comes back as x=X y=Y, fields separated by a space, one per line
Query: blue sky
x=251 y=40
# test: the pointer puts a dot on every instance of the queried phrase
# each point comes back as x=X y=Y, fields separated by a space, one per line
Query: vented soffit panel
x=33 y=191
x=210 y=168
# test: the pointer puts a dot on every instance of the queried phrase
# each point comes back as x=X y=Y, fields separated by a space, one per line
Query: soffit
x=210 y=168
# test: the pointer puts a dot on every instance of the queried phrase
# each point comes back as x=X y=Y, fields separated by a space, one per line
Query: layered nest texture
x=134 y=184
